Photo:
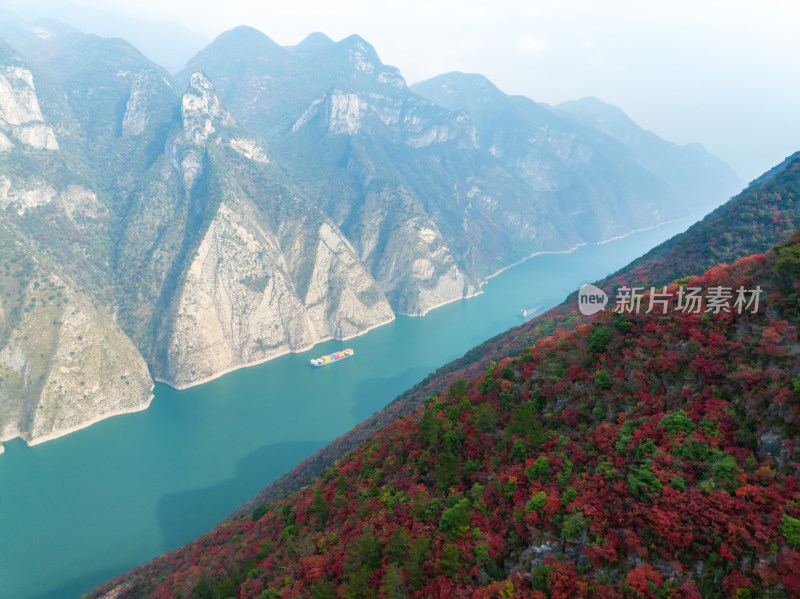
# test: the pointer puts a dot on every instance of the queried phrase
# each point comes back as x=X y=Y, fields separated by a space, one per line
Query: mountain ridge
x=262 y=200
x=778 y=182
x=611 y=457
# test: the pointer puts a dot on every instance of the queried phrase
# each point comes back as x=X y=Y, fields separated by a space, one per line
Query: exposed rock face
x=5 y=143
x=335 y=198
x=199 y=107
x=99 y=373
x=20 y=199
x=256 y=289
x=409 y=259
x=20 y=115
x=234 y=308
x=137 y=116
x=391 y=76
x=422 y=130
x=65 y=364
x=74 y=200
x=344 y=113
x=342 y=299
x=18 y=102
x=409 y=119
x=35 y=135
x=239 y=305
x=249 y=149
x=361 y=59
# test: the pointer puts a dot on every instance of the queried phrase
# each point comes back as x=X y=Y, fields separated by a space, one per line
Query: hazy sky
x=720 y=72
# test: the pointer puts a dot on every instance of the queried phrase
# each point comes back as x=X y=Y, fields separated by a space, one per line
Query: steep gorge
x=271 y=199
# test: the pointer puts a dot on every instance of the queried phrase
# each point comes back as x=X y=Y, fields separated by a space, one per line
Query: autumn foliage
x=750 y=223
x=673 y=474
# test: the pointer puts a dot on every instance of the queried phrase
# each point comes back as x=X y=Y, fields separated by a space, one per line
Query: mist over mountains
x=266 y=198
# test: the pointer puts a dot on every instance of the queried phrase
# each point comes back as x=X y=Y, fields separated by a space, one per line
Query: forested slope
x=753 y=221
x=641 y=454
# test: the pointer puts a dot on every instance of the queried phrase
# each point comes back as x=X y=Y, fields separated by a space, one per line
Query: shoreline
x=533 y=255
x=444 y=303
x=85 y=424
x=230 y=369
x=439 y=305
x=580 y=245
x=234 y=368
x=661 y=224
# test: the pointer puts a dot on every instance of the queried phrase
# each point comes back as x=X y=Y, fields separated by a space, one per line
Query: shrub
x=678 y=483
x=602 y=379
x=455 y=518
x=258 y=513
x=536 y=502
x=575 y=526
x=790 y=529
x=788 y=261
x=599 y=339
x=519 y=452
x=539 y=469
x=677 y=421
x=643 y=482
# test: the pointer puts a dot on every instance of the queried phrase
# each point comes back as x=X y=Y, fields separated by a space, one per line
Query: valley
x=141 y=484
x=177 y=245
x=268 y=198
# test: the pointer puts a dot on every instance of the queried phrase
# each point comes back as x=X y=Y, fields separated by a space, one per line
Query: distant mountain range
x=267 y=198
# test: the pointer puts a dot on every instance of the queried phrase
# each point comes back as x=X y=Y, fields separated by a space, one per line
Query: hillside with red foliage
x=638 y=455
x=755 y=220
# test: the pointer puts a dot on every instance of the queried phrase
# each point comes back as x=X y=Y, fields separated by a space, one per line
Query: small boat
x=331 y=358
x=529 y=313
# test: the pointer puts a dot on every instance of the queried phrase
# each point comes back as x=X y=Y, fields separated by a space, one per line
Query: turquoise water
x=89 y=506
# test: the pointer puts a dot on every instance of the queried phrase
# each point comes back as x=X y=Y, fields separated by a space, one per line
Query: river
x=84 y=508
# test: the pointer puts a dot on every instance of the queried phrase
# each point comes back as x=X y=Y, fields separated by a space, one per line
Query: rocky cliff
x=258 y=285
x=239 y=303
x=21 y=118
x=64 y=363
x=265 y=199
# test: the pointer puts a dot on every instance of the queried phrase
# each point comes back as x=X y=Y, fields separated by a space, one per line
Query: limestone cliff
x=258 y=285
x=139 y=107
x=77 y=202
x=273 y=198
x=20 y=116
x=239 y=303
x=411 y=120
x=406 y=253
x=64 y=363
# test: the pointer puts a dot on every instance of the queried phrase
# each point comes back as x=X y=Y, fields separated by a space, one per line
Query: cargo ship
x=331 y=358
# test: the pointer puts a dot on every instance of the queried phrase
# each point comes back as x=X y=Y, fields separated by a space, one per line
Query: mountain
x=64 y=362
x=645 y=454
x=690 y=169
x=747 y=221
x=169 y=220
x=345 y=129
x=387 y=163
x=270 y=274
x=580 y=144
x=163 y=42
x=262 y=200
